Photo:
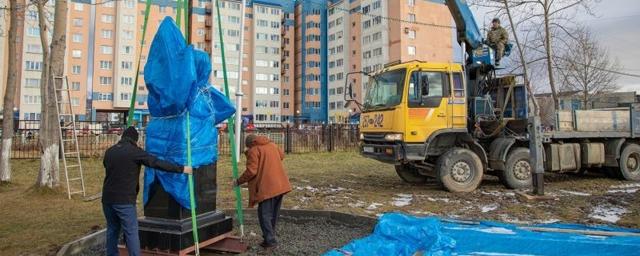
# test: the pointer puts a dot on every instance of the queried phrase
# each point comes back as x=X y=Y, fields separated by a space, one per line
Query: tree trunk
x=548 y=48
x=17 y=19
x=53 y=66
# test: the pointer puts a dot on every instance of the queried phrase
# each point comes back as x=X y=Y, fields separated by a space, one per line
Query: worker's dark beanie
x=131 y=133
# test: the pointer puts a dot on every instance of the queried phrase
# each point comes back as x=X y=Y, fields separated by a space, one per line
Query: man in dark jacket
x=122 y=164
x=268 y=182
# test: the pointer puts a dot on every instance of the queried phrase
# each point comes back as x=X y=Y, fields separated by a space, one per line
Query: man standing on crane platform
x=497 y=38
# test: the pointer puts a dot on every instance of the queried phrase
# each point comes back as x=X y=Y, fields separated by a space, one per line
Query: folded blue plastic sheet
x=399 y=234
x=177 y=77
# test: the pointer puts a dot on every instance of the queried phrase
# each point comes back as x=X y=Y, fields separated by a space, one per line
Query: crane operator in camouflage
x=497 y=38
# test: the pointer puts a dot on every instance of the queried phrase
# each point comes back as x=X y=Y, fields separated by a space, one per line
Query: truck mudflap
x=388 y=153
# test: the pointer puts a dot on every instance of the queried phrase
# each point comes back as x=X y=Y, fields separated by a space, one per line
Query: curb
x=77 y=247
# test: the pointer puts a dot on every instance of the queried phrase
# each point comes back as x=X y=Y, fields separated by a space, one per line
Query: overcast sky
x=617 y=27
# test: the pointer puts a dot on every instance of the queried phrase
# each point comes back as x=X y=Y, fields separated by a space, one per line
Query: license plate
x=368 y=149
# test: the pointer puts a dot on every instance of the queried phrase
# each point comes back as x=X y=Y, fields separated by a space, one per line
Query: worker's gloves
x=187 y=170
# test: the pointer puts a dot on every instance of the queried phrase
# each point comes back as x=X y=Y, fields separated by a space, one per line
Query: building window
x=262 y=36
x=126 y=81
x=32 y=83
x=262 y=90
x=125 y=96
x=412 y=34
x=32 y=99
x=130 y=4
x=129 y=19
x=377 y=52
x=33 y=31
x=107 y=34
x=32 y=15
x=230 y=32
x=377 y=36
x=128 y=34
x=106 y=49
x=127 y=49
x=107 y=18
x=75 y=101
x=411 y=50
x=34 y=48
x=75 y=86
x=107 y=65
x=106 y=80
x=412 y=17
x=411 y=2
x=366 y=24
x=75 y=69
x=78 y=6
x=376 y=5
x=77 y=38
x=104 y=97
x=33 y=65
x=77 y=22
x=126 y=65
x=366 y=55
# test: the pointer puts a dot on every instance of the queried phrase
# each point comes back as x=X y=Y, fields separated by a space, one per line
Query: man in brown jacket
x=268 y=182
x=497 y=39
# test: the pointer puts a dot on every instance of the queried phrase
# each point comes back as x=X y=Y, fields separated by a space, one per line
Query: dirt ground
x=38 y=222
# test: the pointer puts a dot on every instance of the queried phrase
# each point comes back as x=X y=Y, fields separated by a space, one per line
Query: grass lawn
x=40 y=221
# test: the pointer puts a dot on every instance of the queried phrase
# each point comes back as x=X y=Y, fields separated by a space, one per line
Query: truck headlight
x=393 y=137
x=361 y=136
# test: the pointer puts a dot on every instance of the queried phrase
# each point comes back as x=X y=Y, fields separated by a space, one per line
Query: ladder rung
x=69 y=140
x=76 y=192
x=69 y=153
x=64 y=114
x=63 y=89
x=73 y=166
x=74 y=179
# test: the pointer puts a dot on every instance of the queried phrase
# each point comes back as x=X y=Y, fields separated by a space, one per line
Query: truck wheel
x=518 y=170
x=409 y=174
x=630 y=162
x=459 y=170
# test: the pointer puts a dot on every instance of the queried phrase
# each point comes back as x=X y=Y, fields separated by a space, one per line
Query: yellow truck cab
x=397 y=120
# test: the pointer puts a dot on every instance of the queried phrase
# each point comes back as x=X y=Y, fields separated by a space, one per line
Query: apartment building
x=288 y=68
x=30 y=73
x=343 y=31
x=364 y=35
x=310 y=61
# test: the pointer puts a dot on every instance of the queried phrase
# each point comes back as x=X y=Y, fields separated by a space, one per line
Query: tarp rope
x=194 y=225
x=231 y=124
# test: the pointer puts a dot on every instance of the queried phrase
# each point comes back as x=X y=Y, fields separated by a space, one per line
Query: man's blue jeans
x=121 y=217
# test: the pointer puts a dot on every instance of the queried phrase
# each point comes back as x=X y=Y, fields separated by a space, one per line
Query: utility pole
x=189 y=23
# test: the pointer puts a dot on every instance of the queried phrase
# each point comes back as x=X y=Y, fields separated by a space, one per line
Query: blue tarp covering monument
x=177 y=76
x=399 y=234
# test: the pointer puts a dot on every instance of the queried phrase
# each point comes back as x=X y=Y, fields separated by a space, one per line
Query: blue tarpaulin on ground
x=177 y=76
x=400 y=234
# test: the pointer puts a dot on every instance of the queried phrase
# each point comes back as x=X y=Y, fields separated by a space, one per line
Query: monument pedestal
x=166 y=226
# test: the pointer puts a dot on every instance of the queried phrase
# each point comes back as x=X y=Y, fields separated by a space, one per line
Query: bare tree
x=53 y=66
x=16 y=8
x=585 y=67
